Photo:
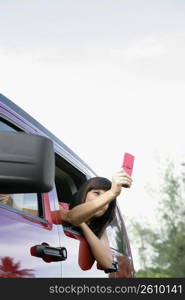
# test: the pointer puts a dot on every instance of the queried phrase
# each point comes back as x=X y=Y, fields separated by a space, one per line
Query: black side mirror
x=27 y=163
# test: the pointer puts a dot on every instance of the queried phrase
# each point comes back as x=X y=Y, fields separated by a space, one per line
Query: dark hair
x=99 y=224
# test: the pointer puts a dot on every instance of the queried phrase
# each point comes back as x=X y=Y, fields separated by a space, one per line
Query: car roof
x=74 y=158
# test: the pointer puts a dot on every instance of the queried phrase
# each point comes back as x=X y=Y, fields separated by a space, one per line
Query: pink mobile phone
x=128 y=162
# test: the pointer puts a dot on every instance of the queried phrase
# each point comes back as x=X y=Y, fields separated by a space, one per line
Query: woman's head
x=91 y=189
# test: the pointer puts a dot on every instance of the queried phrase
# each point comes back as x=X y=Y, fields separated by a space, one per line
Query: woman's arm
x=83 y=212
x=99 y=247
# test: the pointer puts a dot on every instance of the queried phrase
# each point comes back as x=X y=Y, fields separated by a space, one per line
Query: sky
x=106 y=77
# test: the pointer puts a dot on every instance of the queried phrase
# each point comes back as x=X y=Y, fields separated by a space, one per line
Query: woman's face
x=93 y=194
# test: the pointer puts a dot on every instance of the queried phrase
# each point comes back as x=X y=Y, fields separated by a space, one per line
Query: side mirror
x=27 y=163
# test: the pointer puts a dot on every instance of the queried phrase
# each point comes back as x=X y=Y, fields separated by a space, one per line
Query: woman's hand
x=119 y=180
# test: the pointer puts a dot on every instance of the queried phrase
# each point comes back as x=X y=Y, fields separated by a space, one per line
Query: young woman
x=93 y=210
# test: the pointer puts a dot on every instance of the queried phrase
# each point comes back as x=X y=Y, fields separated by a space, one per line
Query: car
x=38 y=173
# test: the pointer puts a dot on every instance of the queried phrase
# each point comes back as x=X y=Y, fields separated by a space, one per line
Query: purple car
x=38 y=173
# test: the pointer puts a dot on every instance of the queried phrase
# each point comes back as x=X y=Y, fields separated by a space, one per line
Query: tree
x=10 y=269
x=162 y=250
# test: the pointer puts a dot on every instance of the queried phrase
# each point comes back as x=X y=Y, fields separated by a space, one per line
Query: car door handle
x=48 y=253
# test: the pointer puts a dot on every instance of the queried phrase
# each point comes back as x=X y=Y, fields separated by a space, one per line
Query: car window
x=68 y=179
x=24 y=202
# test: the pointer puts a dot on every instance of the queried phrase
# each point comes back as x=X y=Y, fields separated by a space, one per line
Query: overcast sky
x=106 y=77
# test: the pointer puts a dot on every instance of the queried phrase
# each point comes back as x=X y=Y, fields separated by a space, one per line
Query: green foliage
x=151 y=273
x=162 y=249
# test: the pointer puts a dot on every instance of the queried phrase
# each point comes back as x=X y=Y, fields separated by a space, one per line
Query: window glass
x=24 y=202
x=116 y=235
